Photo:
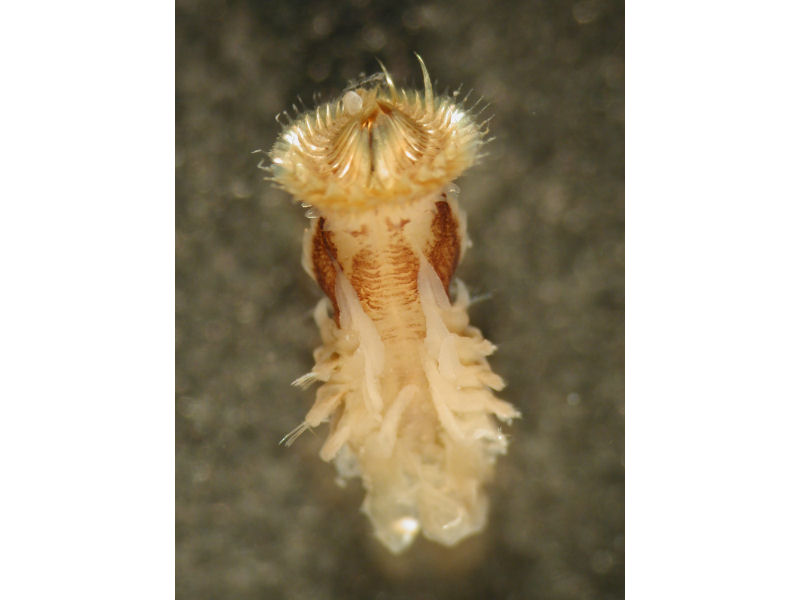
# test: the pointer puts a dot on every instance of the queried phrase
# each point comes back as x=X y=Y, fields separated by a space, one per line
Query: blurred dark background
x=257 y=520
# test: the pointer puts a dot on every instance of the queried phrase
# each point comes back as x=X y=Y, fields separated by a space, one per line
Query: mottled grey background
x=256 y=520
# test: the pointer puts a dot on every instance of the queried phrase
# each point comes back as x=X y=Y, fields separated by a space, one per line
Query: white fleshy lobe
x=370 y=348
x=424 y=451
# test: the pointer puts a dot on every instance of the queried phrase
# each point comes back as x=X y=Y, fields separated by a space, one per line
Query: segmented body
x=405 y=381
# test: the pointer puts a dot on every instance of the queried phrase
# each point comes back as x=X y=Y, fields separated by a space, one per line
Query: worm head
x=375 y=144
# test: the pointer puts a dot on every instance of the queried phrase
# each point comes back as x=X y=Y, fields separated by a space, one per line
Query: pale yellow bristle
x=375 y=145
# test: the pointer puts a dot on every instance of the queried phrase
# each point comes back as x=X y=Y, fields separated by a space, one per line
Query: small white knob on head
x=352 y=102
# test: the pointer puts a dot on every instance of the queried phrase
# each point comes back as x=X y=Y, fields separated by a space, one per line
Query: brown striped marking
x=444 y=249
x=386 y=279
x=323 y=258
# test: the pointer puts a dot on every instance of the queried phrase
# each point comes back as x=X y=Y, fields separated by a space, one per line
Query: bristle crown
x=375 y=145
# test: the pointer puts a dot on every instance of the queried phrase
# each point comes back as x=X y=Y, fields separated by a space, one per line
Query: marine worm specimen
x=406 y=385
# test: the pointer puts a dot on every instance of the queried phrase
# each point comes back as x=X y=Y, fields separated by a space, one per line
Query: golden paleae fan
x=406 y=385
